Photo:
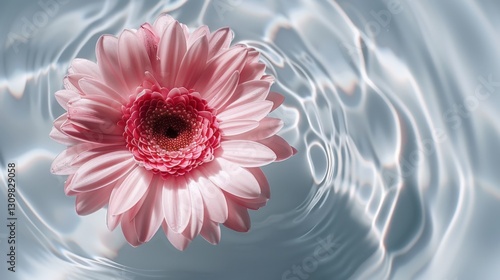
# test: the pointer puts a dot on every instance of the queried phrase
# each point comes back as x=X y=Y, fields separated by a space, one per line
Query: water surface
x=393 y=106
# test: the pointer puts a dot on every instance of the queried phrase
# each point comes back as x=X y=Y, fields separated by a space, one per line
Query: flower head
x=169 y=128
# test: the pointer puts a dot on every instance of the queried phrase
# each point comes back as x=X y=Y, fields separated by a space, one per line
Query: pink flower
x=169 y=129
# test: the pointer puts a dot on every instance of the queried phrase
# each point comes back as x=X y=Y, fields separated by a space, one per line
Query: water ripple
x=392 y=106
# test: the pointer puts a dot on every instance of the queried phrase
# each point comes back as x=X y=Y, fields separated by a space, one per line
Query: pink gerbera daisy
x=169 y=129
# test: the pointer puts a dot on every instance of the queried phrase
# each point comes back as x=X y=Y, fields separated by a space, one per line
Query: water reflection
x=392 y=106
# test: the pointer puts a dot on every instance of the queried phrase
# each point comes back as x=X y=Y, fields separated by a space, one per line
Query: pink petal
x=69 y=160
x=226 y=92
x=69 y=85
x=56 y=132
x=151 y=79
x=67 y=185
x=185 y=29
x=61 y=138
x=60 y=121
x=219 y=40
x=89 y=202
x=263 y=183
x=82 y=134
x=251 y=111
x=112 y=221
x=133 y=58
x=280 y=147
x=219 y=70
x=71 y=82
x=238 y=218
x=235 y=127
x=150 y=40
x=97 y=107
x=179 y=241
x=92 y=87
x=201 y=31
x=231 y=178
x=252 y=71
x=102 y=170
x=108 y=61
x=253 y=56
x=193 y=63
x=132 y=212
x=111 y=105
x=95 y=117
x=85 y=67
x=171 y=50
x=211 y=232
x=255 y=203
x=268 y=78
x=129 y=230
x=213 y=199
x=276 y=98
x=197 y=209
x=130 y=191
x=267 y=128
x=162 y=22
x=64 y=96
x=150 y=215
x=176 y=203
x=248 y=92
x=247 y=153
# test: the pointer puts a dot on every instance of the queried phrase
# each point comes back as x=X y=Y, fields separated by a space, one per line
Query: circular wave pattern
x=392 y=106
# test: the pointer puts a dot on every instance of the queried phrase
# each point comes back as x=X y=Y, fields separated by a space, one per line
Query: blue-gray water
x=393 y=105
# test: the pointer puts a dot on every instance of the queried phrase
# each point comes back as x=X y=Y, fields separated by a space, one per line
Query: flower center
x=170 y=132
x=169 y=126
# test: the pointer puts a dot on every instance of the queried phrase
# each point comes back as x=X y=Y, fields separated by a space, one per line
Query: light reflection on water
x=392 y=106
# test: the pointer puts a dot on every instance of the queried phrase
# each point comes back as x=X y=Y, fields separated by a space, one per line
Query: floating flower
x=169 y=129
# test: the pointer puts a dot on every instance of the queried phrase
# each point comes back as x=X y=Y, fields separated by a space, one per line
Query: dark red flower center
x=170 y=132
x=169 y=128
